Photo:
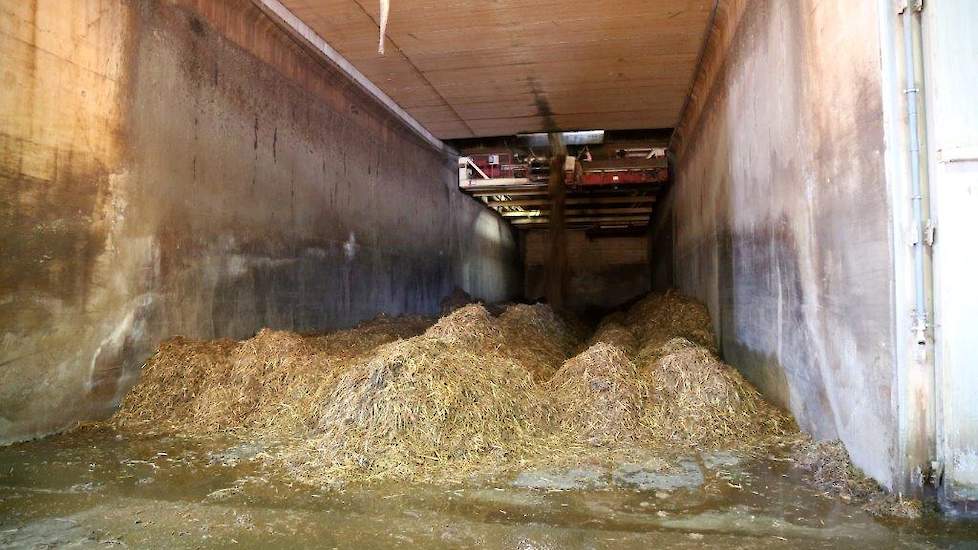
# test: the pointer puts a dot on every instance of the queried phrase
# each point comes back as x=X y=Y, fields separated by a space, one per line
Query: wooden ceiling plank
x=597 y=64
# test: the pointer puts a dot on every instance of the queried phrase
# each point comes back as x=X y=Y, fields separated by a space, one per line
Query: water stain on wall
x=780 y=217
x=205 y=184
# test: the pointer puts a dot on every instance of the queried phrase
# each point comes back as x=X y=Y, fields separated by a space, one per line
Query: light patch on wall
x=132 y=328
x=966 y=472
x=237 y=265
x=350 y=246
x=487 y=227
x=315 y=252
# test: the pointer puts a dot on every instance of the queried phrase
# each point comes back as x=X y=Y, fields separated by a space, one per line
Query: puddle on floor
x=99 y=489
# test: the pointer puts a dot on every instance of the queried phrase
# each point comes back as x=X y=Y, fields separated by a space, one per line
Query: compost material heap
x=468 y=395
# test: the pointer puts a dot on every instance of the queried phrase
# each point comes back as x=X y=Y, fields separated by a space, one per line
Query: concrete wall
x=781 y=215
x=185 y=167
x=603 y=272
x=661 y=240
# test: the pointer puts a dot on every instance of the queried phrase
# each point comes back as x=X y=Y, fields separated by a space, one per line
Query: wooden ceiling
x=467 y=68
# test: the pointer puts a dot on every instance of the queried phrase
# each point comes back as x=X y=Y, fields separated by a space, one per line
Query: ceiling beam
x=541 y=190
x=510 y=192
x=585 y=219
x=624 y=199
x=579 y=212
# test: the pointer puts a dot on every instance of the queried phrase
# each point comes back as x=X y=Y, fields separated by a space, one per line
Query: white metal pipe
x=912 y=93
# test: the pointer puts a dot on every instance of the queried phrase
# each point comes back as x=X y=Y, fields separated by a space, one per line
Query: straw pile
x=833 y=473
x=531 y=335
x=271 y=382
x=600 y=395
x=420 y=409
x=474 y=393
x=658 y=318
x=541 y=321
x=693 y=398
x=538 y=338
x=459 y=398
x=699 y=400
x=469 y=325
x=365 y=337
x=397 y=398
x=171 y=383
x=261 y=369
x=613 y=332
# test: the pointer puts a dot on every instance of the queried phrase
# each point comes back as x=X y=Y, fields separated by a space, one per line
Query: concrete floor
x=97 y=489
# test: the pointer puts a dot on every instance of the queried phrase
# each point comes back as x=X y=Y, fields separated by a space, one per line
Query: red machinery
x=611 y=188
x=508 y=168
x=617 y=172
x=499 y=165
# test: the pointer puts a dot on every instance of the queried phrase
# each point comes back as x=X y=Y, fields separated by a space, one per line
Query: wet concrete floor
x=99 y=489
